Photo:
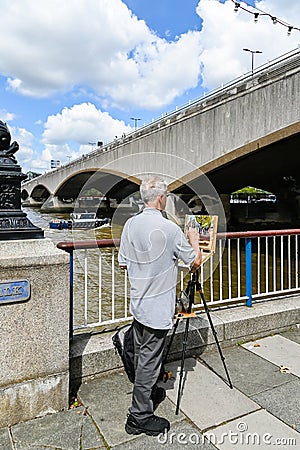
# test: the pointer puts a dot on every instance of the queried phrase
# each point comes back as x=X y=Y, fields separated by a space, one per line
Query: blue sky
x=74 y=72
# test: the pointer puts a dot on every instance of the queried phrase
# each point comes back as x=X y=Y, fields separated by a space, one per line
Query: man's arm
x=193 y=237
x=122 y=250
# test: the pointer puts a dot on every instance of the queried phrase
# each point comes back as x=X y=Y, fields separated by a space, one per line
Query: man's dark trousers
x=148 y=353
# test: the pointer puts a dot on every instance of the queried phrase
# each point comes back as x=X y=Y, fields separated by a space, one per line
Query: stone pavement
x=262 y=411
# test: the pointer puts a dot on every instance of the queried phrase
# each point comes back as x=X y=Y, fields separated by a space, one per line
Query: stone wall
x=34 y=334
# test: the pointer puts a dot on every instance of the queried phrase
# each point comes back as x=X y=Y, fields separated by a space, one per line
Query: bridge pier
x=225 y=200
x=289 y=208
x=31 y=203
x=54 y=204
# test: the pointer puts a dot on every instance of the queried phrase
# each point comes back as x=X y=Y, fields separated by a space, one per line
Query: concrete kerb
x=93 y=354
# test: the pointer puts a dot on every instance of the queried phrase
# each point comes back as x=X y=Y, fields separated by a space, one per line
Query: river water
x=90 y=290
x=42 y=219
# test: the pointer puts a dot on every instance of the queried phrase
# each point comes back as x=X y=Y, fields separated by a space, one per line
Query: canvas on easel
x=207 y=227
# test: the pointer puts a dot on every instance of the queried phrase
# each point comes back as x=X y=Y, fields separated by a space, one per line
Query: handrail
x=81 y=245
x=258 y=233
x=102 y=243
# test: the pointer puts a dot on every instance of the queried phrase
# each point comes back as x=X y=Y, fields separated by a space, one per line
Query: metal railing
x=246 y=266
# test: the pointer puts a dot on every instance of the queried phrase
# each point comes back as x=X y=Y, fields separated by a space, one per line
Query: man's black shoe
x=158 y=395
x=152 y=426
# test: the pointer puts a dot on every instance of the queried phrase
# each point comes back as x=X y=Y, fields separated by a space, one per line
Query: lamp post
x=14 y=223
x=252 y=57
x=92 y=144
x=135 y=121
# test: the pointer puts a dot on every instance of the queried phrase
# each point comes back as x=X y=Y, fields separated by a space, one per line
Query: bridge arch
x=40 y=193
x=110 y=183
x=24 y=194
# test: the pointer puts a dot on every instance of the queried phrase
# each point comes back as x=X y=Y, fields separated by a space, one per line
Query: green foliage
x=92 y=192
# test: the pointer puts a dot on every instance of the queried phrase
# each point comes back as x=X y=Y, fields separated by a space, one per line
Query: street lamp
x=252 y=57
x=69 y=157
x=135 y=121
x=92 y=144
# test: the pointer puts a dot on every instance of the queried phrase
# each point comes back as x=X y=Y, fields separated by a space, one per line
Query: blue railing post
x=71 y=296
x=249 y=271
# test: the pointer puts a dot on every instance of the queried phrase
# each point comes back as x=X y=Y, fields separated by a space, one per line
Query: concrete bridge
x=246 y=133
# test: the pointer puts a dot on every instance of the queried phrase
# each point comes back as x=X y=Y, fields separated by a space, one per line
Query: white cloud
x=101 y=48
x=225 y=34
x=280 y=9
x=67 y=136
x=166 y=70
x=26 y=156
x=63 y=153
x=24 y=137
x=62 y=44
x=82 y=124
x=15 y=85
x=100 y=44
x=6 y=116
x=47 y=153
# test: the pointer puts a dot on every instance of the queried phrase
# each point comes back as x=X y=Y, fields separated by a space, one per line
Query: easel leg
x=184 y=343
x=215 y=334
x=171 y=341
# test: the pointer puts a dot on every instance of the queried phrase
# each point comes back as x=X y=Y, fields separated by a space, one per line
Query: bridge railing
x=247 y=266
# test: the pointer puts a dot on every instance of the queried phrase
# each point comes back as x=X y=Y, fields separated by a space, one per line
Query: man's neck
x=154 y=205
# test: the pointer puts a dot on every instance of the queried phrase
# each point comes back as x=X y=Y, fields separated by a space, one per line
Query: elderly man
x=150 y=249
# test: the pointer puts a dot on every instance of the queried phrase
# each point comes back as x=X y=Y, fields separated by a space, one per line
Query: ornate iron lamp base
x=14 y=223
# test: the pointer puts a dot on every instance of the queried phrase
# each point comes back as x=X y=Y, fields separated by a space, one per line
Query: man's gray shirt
x=150 y=248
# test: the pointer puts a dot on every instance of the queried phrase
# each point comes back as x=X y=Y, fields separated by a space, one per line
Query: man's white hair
x=151 y=187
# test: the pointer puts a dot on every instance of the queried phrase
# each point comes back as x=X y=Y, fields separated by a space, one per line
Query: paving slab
x=108 y=399
x=258 y=430
x=278 y=350
x=283 y=402
x=5 y=442
x=182 y=435
x=207 y=400
x=248 y=372
x=67 y=430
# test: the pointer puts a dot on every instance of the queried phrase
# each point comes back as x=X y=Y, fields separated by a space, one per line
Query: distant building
x=251 y=194
x=254 y=207
x=54 y=164
x=31 y=175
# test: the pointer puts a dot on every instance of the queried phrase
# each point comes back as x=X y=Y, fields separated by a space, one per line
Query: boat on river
x=79 y=221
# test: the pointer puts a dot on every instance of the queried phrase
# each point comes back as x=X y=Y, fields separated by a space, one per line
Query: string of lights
x=258 y=12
